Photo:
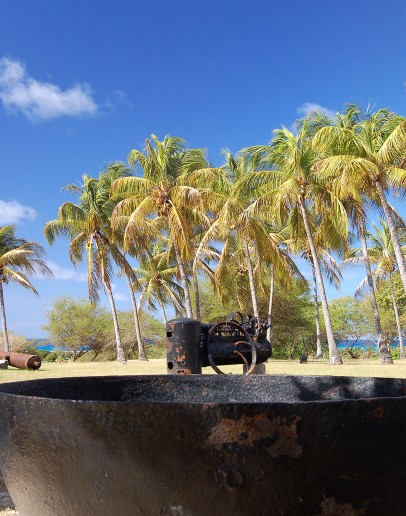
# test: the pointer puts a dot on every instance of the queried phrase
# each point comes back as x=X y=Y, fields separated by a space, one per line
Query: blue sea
x=48 y=347
x=365 y=344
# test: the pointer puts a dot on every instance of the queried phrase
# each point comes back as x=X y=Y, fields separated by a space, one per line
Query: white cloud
x=121 y=97
x=41 y=100
x=12 y=212
x=311 y=107
x=63 y=273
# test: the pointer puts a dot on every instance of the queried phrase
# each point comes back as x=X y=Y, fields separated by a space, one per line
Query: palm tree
x=140 y=343
x=356 y=206
x=289 y=189
x=18 y=258
x=326 y=239
x=163 y=200
x=87 y=223
x=367 y=158
x=247 y=245
x=203 y=263
x=157 y=277
x=282 y=276
x=382 y=253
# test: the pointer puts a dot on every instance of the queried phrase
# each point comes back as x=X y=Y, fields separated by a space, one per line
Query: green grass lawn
x=158 y=366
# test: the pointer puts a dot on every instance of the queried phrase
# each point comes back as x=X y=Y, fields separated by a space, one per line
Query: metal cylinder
x=183 y=346
x=21 y=360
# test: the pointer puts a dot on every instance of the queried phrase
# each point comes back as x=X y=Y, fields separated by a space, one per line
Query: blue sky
x=83 y=83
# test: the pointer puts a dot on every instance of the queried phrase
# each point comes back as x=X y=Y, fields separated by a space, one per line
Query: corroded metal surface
x=21 y=360
x=202 y=445
x=192 y=345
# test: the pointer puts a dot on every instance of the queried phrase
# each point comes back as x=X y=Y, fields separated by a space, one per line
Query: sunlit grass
x=350 y=367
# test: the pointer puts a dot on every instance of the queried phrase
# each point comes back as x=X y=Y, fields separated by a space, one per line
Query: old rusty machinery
x=21 y=360
x=192 y=345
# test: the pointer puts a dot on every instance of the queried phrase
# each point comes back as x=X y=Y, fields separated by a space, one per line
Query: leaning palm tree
x=287 y=188
x=382 y=254
x=356 y=206
x=18 y=258
x=367 y=158
x=163 y=199
x=87 y=224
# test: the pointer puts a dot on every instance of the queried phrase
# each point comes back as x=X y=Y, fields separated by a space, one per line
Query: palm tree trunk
x=3 y=319
x=140 y=301
x=163 y=311
x=120 y=351
x=251 y=280
x=197 y=296
x=140 y=343
x=384 y=354
x=319 y=352
x=185 y=282
x=333 y=352
x=395 y=240
x=270 y=305
x=395 y=309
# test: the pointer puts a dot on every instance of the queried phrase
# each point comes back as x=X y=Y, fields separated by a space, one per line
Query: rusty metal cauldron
x=204 y=445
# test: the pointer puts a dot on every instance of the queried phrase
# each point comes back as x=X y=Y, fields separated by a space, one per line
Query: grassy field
x=370 y=368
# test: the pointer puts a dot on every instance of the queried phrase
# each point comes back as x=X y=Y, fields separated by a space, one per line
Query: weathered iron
x=192 y=345
x=205 y=444
x=21 y=360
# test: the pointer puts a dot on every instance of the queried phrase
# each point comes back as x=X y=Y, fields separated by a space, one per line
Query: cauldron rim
x=196 y=402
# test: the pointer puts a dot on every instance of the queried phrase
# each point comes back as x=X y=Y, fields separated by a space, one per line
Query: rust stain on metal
x=249 y=429
x=181 y=359
x=185 y=371
x=379 y=412
x=330 y=507
x=286 y=442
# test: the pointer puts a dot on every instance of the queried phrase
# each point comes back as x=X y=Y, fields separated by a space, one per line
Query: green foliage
x=211 y=306
x=78 y=326
x=385 y=304
x=57 y=356
x=353 y=320
x=293 y=326
x=153 y=332
x=349 y=319
x=87 y=331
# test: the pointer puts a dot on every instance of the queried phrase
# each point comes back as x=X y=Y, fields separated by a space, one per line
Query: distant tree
x=18 y=258
x=153 y=332
x=17 y=342
x=350 y=324
x=78 y=326
x=211 y=304
x=293 y=331
x=392 y=305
